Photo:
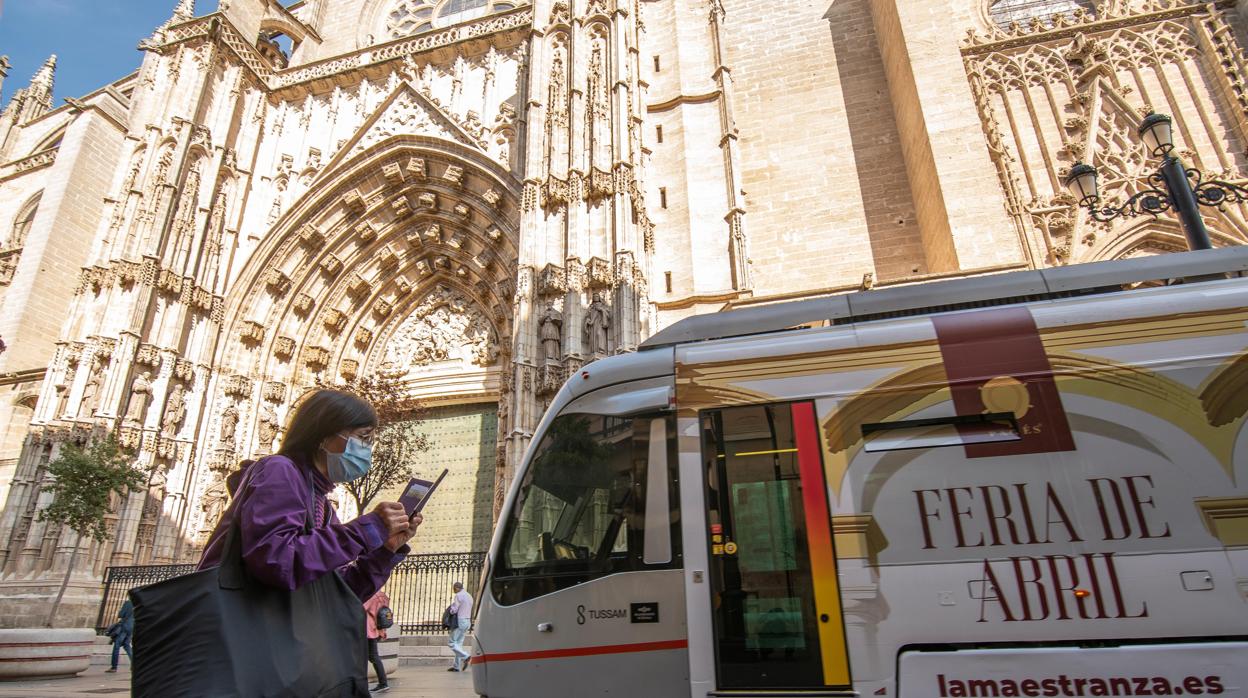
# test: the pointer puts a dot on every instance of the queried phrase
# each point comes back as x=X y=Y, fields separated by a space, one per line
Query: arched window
x=407 y=17
x=21 y=224
x=1006 y=12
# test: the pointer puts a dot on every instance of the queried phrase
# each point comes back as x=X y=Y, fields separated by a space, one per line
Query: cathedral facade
x=483 y=196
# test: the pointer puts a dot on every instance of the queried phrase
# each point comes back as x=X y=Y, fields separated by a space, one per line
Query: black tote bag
x=219 y=633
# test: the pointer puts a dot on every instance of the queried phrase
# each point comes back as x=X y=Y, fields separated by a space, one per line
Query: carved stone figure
x=212 y=503
x=267 y=427
x=229 y=424
x=175 y=412
x=598 y=327
x=552 y=337
x=86 y=406
x=140 y=398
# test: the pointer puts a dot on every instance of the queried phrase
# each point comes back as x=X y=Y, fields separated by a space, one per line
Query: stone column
x=959 y=202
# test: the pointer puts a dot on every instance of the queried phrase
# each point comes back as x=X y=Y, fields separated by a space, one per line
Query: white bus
x=1031 y=484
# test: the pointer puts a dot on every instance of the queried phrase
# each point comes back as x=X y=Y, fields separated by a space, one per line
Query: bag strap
x=232 y=574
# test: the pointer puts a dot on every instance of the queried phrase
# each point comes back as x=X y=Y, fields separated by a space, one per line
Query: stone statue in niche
x=212 y=503
x=268 y=427
x=86 y=406
x=552 y=337
x=229 y=424
x=62 y=391
x=598 y=327
x=175 y=412
x=140 y=398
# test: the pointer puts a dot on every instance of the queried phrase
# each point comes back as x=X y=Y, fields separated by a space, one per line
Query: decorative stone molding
x=354 y=201
x=311 y=237
x=349 y=369
x=393 y=173
x=401 y=207
x=366 y=231
x=331 y=265
x=455 y=175
x=274 y=391
x=251 y=332
x=169 y=282
x=493 y=233
x=130 y=438
x=599 y=185
x=359 y=287
x=389 y=258
x=147 y=355
x=277 y=282
x=303 y=304
x=492 y=197
x=334 y=320
x=463 y=211
x=316 y=357
x=382 y=308
x=402 y=286
x=598 y=273
x=552 y=281
x=363 y=337
x=237 y=385
x=184 y=370
x=416 y=168
x=550 y=379
x=284 y=347
x=427 y=201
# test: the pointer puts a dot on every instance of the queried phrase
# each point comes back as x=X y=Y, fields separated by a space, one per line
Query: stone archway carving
x=405 y=240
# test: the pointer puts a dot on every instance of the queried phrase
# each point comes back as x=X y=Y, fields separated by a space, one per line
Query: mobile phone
x=418 y=492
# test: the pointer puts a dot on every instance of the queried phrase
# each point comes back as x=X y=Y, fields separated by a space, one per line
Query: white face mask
x=352 y=464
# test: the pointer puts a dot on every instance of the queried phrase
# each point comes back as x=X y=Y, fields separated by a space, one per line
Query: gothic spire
x=42 y=80
x=38 y=95
x=185 y=10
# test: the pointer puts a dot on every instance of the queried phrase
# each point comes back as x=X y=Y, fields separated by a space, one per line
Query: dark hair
x=321 y=415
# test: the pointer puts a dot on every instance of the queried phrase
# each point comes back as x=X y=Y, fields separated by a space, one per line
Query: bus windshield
x=581 y=509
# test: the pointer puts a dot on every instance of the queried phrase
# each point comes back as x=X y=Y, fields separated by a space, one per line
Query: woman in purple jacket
x=328 y=441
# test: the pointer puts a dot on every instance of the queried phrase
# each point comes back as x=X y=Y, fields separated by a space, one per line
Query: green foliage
x=85 y=480
x=396 y=441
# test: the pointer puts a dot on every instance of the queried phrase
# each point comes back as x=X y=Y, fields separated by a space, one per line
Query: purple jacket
x=272 y=507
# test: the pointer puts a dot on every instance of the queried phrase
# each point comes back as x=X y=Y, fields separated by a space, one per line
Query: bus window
x=582 y=509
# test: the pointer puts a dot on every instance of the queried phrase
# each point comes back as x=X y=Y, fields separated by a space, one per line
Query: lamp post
x=1173 y=187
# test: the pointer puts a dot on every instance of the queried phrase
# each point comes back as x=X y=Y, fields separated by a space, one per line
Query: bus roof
x=954 y=294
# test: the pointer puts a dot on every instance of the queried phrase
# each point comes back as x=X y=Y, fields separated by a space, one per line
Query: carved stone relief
x=444 y=327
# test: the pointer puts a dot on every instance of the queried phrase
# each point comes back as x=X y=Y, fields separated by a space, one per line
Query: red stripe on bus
x=583 y=651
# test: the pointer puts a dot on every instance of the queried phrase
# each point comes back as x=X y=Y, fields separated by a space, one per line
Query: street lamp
x=1173 y=187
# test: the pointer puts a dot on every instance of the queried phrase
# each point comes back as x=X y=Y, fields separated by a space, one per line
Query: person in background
x=461 y=606
x=375 y=636
x=121 y=632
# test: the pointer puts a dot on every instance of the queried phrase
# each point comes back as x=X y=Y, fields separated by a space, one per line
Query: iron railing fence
x=419 y=588
x=118 y=581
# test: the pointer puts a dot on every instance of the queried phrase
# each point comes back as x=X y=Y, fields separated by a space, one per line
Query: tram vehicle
x=1027 y=484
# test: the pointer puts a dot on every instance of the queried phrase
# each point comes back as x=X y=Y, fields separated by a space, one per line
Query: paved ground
x=409 y=682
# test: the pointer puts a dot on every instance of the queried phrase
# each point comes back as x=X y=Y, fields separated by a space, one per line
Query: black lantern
x=1157 y=132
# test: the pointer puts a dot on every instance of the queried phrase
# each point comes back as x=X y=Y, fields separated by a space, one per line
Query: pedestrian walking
x=276 y=608
x=461 y=619
x=121 y=632
x=379 y=604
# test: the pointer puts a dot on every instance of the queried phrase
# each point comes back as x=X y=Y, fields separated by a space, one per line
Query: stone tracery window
x=21 y=224
x=1006 y=12
x=11 y=247
x=407 y=17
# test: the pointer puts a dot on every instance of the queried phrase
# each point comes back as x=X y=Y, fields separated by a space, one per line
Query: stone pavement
x=409 y=682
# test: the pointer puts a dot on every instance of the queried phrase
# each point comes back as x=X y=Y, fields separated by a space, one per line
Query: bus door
x=775 y=597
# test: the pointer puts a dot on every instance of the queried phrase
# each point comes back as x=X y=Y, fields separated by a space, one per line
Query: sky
x=94 y=40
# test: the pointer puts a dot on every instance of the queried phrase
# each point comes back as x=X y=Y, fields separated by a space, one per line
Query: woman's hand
x=393 y=516
x=397 y=540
